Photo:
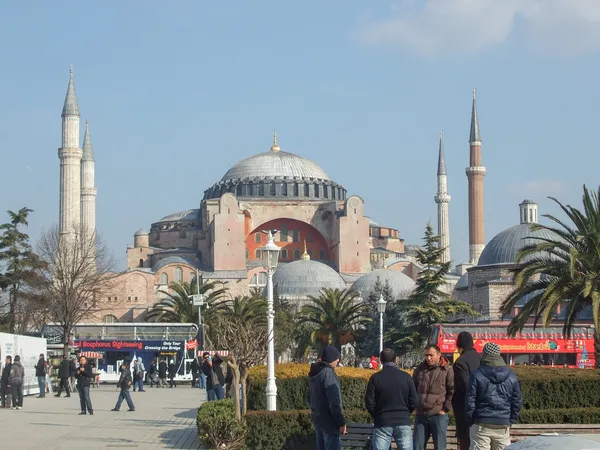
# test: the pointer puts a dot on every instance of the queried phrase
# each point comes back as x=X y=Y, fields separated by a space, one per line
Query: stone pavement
x=164 y=418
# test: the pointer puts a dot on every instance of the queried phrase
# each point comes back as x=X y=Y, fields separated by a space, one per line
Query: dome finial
x=275 y=146
x=305 y=256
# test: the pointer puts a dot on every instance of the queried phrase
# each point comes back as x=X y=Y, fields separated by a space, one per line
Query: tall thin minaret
x=70 y=163
x=443 y=199
x=475 y=174
x=88 y=190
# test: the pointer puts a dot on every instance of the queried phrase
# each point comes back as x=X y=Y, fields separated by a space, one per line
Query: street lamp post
x=270 y=255
x=198 y=300
x=381 y=309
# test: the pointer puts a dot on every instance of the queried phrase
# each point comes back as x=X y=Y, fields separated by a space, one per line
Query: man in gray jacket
x=326 y=401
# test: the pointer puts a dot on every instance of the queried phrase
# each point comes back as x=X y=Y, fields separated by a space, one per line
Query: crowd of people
x=481 y=389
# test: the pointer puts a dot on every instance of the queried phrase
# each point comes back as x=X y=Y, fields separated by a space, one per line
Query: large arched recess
x=290 y=236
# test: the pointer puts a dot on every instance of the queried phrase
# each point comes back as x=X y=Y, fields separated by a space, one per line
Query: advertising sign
x=29 y=349
x=448 y=345
x=117 y=345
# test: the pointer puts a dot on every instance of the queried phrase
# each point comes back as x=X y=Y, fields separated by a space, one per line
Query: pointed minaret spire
x=275 y=146
x=70 y=108
x=305 y=255
x=88 y=152
x=441 y=159
x=474 y=136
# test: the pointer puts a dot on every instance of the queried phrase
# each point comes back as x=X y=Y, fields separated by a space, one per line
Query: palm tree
x=246 y=309
x=335 y=316
x=564 y=270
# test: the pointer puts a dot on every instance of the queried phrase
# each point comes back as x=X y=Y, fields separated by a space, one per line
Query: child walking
x=124 y=384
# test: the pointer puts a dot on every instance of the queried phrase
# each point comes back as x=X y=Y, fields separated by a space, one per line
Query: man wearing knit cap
x=326 y=401
x=464 y=366
x=493 y=401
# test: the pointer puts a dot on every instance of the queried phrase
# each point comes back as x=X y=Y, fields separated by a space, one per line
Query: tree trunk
x=11 y=313
x=244 y=371
x=66 y=338
x=235 y=386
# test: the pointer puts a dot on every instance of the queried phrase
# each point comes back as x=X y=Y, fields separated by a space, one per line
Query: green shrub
x=218 y=427
x=292 y=430
x=542 y=388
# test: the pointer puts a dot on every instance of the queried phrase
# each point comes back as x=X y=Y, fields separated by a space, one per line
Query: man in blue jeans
x=390 y=399
x=434 y=380
x=326 y=401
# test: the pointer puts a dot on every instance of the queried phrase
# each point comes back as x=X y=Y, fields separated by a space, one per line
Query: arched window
x=261 y=188
x=333 y=192
x=109 y=318
x=250 y=189
x=257 y=253
x=247 y=254
x=295 y=189
x=306 y=190
x=258 y=237
x=262 y=278
x=141 y=263
x=284 y=254
x=283 y=188
x=164 y=278
x=295 y=235
x=297 y=254
x=322 y=254
x=283 y=233
x=317 y=190
x=326 y=191
x=178 y=274
x=238 y=190
x=272 y=190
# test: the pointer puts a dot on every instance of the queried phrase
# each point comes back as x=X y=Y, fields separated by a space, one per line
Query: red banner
x=447 y=344
x=191 y=345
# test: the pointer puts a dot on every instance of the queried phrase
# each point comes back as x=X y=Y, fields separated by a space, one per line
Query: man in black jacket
x=326 y=401
x=390 y=399
x=64 y=372
x=84 y=377
x=124 y=384
x=4 y=384
x=464 y=366
x=40 y=373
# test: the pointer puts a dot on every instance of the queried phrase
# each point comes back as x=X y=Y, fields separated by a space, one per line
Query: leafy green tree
x=560 y=271
x=335 y=317
x=428 y=304
x=20 y=265
x=367 y=343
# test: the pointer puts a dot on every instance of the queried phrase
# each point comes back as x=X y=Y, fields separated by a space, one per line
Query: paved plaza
x=164 y=418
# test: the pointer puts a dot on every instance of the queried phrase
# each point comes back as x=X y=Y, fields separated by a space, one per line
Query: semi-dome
x=401 y=284
x=302 y=278
x=505 y=246
x=187 y=215
x=173 y=260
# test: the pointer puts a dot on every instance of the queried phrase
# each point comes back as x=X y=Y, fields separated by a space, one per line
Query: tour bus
x=539 y=346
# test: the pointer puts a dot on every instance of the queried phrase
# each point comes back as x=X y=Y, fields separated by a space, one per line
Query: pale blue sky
x=177 y=92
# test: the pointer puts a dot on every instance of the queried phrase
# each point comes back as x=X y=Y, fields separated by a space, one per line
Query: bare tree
x=76 y=275
x=246 y=340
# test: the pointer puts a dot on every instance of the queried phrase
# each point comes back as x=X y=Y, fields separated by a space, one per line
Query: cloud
x=434 y=27
x=540 y=188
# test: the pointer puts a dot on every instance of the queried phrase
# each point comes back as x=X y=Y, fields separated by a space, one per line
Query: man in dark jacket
x=326 y=401
x=64 y=372
x=124 y=384
x=493 y=401
x=194 y=368
x=464 y=366
x=84 y=377
x=162 y=373
x=4 y=384
x=434 y=380
x=40 y=373
x=390 y=399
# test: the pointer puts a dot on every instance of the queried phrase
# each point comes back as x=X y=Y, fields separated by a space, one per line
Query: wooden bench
x=360 y=433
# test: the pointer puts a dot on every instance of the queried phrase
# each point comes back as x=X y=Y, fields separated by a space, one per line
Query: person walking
x=434 y=380
x=493 y=401
x=162 y=373
x=195 y=368
x=40 y=373
x=15 y=380
x=152 y=373
x=138 y=374
x=64 y=372
x=4 y=384
x=84 y=377
x=73 y=369
x=211 y=376
x=326 y=401
x=124 y=384
x=391 y=398
x=463 y=367
x=172 y=374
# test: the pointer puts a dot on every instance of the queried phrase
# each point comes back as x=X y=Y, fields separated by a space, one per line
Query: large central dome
x=273 y=164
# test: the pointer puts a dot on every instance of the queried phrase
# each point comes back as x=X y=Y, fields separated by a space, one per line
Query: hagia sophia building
x=325 y=238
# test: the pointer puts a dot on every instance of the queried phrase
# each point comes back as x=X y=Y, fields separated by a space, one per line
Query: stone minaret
x=88 y=191
x=475 y=174
x=528 y=211
x=443 y=199
x=70 y=164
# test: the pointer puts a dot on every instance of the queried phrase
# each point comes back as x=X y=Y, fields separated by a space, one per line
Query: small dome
x=275 y=164
x=302 y=278
x=173 y=260
x=187 y=215
x=402 y=285
x=463 y=282
x=505 y=246
x=141 y=232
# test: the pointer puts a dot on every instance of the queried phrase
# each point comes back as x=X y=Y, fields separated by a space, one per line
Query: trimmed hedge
x=292 y=430
x=542 y=388
x=218 y=427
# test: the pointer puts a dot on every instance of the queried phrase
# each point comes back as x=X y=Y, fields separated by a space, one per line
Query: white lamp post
x=270 y=255
x=381 y=308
